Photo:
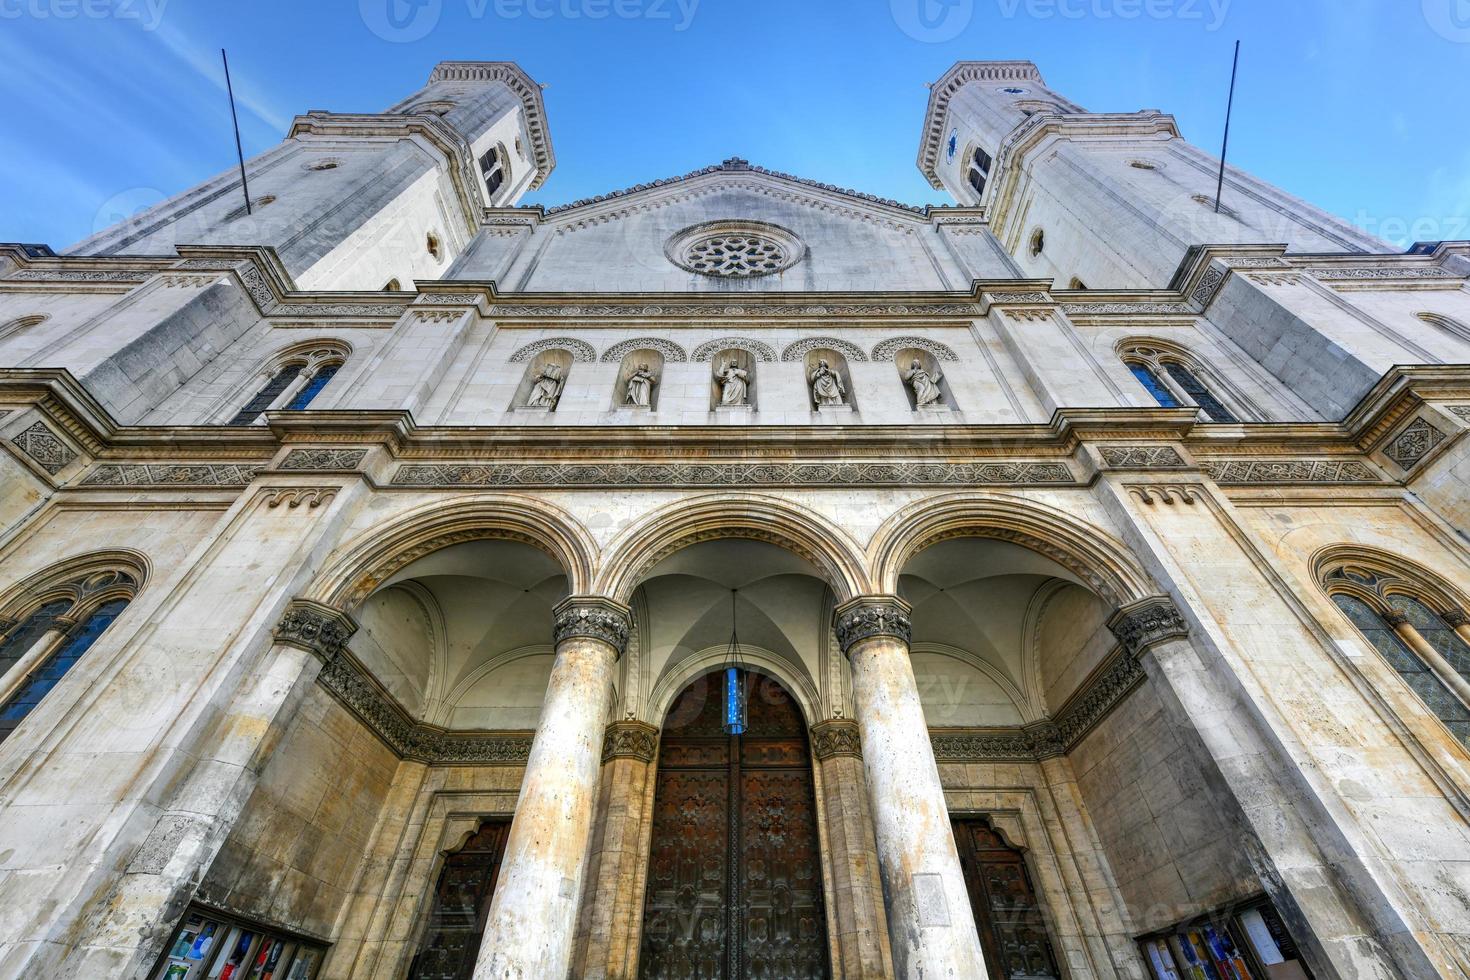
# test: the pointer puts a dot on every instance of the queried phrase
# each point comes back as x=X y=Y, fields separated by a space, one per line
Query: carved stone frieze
x=580 y=350
x=1383 y=272
x=1413 y=443
x=592 y=617
x=1237 y=472
x=323 y=459
x=885 y=349
x=1141 y=457
x=170 y=475
x=834 y=737
x=803 y=347
x=997 y=298
x=1127 y=309
x=869 y=616
x=314 y=626
x=1209 y=284
x=753 y=474
x=1463 y=411
x=1146 y=622
x=630 y=740
x=701 y=311
x=982 y=745
x=44 y=446
x=758 y=349
x=78 y=275
x=671 y=351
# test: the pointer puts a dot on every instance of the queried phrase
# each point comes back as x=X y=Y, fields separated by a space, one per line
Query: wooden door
x=734 y=878
x=1007 y=915
x=461 y=905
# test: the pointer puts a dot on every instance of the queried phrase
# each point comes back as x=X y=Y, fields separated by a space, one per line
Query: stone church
x=735 y=576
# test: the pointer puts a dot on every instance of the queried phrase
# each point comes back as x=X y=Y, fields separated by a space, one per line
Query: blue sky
x=1356 y=105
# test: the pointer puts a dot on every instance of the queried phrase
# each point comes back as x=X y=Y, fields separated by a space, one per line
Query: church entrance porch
x=734 y=880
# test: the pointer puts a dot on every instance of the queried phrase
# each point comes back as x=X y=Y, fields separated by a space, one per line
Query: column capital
x=1139 y=625
x=872 y=615
x=834 y=737
x=316 y=627
x=1455 y=618
x=592 y=617
x=1394 y=618
x=630 y=740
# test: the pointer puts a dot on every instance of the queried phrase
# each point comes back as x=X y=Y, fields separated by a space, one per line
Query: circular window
x=1038 y=241
x=735 y=249
x=1012 y=90
x=326 y=163
x=954 y=142
x=1143 y=165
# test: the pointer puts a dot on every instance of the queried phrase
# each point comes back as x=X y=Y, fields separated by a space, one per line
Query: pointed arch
x=792 y=676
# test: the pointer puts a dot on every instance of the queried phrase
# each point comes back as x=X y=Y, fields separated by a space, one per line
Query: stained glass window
x=25 y=634
x=1196 y=390
x=1149 y=380
x=50 y=673
x=1436 y=632
x=313 y=387
x=266 y=396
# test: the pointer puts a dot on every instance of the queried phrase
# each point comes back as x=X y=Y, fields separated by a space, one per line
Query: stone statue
x=734 y=381
x=925 y=385
x=827 y=387
x=639 y=392
x=547 y=388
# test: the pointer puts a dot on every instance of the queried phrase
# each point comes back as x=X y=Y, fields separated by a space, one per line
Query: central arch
x=735 y=885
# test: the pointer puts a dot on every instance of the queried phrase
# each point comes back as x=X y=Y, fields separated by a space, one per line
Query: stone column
x=32 y=658
x=1432 y=658
x=929 y=918
x=1459 y=621
x=861 y=932
x=533 y=918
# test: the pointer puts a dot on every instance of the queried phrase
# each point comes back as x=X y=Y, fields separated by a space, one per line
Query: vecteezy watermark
x=125 y=205
x=1450 y=19
x=148 y=13
x=1402 y=230
x=932 y=21
x=402 y=21
x=1211 y=13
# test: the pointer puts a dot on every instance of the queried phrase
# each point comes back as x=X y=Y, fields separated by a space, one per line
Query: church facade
x=735 y=576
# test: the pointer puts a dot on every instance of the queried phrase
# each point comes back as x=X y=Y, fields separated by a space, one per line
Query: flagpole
x=239 y=153
x=1229 y=107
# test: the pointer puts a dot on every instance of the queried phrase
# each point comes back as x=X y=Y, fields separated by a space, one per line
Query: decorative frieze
x=982 y=745
x=803 y=347
x=998 y=298
x=671 y=351
x=1128 y=309
x=130 y=276
x=834 y=737
x=1146 y=622
x=1462 y=411
x=45 y=447
x=1209 y=284
x=868 y=616
x=1238 y=472
x=315 y=626
x=758 y=349
x=699 y=311
x=885 y=349
x=1383 y=272
x=754 y=474
x=1413 y=443
x=1142 y=457
x=323 y=459
x=581 y=351
x=170 y=475
x=630 y=740
x=592 y=617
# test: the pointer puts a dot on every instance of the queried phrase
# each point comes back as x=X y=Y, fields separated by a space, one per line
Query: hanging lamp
x=735 y=717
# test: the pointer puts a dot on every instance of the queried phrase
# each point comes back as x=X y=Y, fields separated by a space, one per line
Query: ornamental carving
x=1456 y=618
x=758 y=349
x=997 y=298
x=868 y=616
x=1270 y=471
x=835 y=737
x=753 y=474
x=885 y=349
x=671 y=351
x=1414 y=443
x=630 y=740
x=1463 y=411
x=45 y=447
x=316 y=627
x=735 y=249
x=1128 y=309
x=798 y=350
x=691 y=310
x=1383 y=273
x=1209 y=284
x=1146 y=622
x=580 y=350
x=594 y=618
x=1141 y=457
x=170 y=475
x=323 y=459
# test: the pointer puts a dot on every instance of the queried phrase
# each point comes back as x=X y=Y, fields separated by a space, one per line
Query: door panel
x=1007 y=914
x=461 y=904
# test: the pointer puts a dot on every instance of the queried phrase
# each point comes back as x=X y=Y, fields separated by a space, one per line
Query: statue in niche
x=925 y=385
x=547 y=388
x=827 y=387
x=734 y=383
x=639 y=390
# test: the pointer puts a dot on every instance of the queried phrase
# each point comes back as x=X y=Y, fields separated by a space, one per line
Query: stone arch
x=671 y=351
x=1097 y=558
x=1449 y=325
x=885 y=349
x=363 y=565
x=758 y=349
x=581 y=351
x=705 y=518
x=78 y=578
x=1395 y=575
x=796 y=351
x=679 y=675
x=22 y=323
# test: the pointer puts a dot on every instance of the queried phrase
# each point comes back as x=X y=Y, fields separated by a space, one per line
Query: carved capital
x=630 y=740
x=316 y=627
x=592 y=617
x=1453 y=619
x=872 y=615
x=1139 y=625
x=1046 y=738
x=834 y=737
x=1394 y=618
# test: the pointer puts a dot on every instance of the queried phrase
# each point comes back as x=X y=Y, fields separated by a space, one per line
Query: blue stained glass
x=734 y=702
x=1155 y=387
x=40 y=683
x=313 y=387
x=1213 y=409
x=265 y=396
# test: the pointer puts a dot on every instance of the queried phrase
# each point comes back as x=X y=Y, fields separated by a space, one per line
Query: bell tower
x=1102 y=200
x=368 y=200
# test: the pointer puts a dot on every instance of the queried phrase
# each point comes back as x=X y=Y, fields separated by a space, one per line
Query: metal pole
x=1229 y=107
x=239 y=153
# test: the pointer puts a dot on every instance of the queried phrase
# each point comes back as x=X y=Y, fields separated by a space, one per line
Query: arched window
x=1174 y=380
x=1449 y=325
x=22 y=323
x=979 y=171
x=1418 y=642
x=495 y=168
x=292 y=382
x=392 y=286
x=56 y=626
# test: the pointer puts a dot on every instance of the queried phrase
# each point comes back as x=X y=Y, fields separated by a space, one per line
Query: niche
x=742 y=364
x=627 y=393
x=918 y=365
x=819 y=392
x=544 y=381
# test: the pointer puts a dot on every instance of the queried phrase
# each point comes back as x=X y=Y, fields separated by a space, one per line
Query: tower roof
x=528 y=90
x=960 y=75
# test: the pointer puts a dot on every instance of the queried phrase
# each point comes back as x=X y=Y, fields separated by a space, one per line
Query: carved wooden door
x=461 y=905
x=1012 y=931
x=734 y=875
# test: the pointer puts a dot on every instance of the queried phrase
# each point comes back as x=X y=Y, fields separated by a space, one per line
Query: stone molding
x=171 y=475
x=1142 y=457
x=885 y=349
x=672 y=352
x=44 y=446
x=758 y=349
x=835 y=737
x=580 y=350
x=510 y=311
x=323 y=459
x=1127 y=309
x=316 y=627
x=1415 y=442
x=1139 y=625
x=594 y=618
x=868 y=616
x=899 y=473
x=1267 y=472
x=630 y=740
x=796 y=351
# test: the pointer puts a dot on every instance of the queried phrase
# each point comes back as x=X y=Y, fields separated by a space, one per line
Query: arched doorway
x=734 y=870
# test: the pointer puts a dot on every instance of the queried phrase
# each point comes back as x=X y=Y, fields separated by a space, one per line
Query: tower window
x=1173 y=383
x=1038 y=241
x=493 y=168
x=979 y=171
x=1198 y=393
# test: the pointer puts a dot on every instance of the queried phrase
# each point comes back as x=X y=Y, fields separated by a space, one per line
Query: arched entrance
x=734 y=870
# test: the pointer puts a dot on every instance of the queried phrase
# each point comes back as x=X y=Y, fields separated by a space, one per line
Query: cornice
x=942 y=91
x=525 y=88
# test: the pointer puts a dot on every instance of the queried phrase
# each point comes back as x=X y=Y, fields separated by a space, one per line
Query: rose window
x=735 y=251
